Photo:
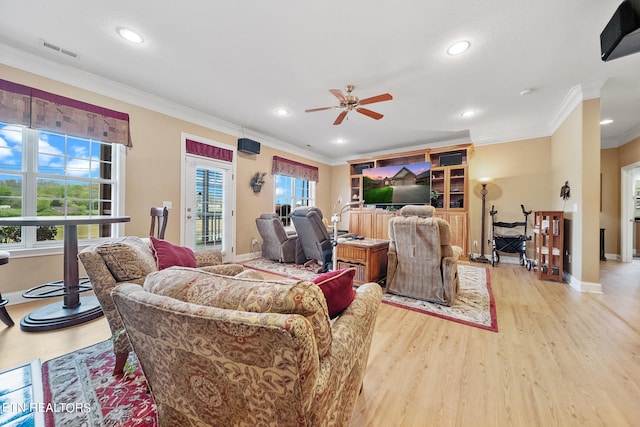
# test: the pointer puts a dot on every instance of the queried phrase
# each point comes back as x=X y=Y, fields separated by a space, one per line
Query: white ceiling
x=240 y=60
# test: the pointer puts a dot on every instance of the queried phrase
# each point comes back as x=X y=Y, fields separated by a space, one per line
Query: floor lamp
x=483 y=193
x=335 y=218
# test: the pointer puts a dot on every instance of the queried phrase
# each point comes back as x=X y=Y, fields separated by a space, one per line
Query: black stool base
x=54 y=316
x=4 y=314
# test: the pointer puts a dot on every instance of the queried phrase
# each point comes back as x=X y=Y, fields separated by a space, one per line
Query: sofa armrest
x=346 y=360
x=357 y=321
x=103 y=283
x=450 y=278
x=208 y=257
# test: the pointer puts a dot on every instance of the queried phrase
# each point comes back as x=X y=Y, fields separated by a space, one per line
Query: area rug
x=475 y=305
x=82 y=391
x=291 y=271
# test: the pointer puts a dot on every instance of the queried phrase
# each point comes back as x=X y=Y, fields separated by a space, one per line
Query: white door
x=208 y=215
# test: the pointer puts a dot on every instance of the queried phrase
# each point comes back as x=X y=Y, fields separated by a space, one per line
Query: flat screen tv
x=396 y=186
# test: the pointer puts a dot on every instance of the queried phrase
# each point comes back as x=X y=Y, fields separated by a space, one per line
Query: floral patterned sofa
x=234 y=351
x=131 y=259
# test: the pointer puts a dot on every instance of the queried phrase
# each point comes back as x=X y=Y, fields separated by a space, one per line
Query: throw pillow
x=337 y=287
x=128 y=258
x=169 y=255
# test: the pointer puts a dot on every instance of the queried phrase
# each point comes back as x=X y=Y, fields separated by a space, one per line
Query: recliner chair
x=313 y=234
x=276 y=244
x=422 y=263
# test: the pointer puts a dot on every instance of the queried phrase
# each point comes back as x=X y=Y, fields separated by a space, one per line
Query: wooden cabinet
x=370 y=223
x=449 y=187
x=548 y=241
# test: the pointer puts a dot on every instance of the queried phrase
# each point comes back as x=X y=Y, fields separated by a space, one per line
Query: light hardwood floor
x=560 y=358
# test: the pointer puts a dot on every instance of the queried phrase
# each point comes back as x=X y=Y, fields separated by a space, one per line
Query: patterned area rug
x=291 y=271
x=475 y=305
x=81 y=386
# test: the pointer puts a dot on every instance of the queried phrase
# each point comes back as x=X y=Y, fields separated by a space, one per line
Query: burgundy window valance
x=286 y=167
x=38 y=109
x=210 y=151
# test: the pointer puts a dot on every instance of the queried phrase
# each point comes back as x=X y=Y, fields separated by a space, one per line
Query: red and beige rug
x=475 y=304
x=83 y=391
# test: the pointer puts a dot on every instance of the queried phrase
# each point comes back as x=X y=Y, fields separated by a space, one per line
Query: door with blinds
x=208 y=216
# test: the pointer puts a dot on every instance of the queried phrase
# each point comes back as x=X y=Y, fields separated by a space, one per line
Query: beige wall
x=575 y=157
x=520 y=173
x=629 y=153
x=153 y=175
x=528 y=172
x=610 y=214
x=250 y=205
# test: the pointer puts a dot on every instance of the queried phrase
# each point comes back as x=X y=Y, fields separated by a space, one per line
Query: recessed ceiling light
x=282 y=112
x=606 y=122
x=340 y=141
x=130 y=35
x=469 y=113
x=458 y=47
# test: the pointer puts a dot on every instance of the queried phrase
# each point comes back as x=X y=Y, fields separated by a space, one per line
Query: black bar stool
x=4 y=315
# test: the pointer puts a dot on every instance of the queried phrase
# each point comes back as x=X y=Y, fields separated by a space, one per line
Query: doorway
x=630 y=174
x=208 y=200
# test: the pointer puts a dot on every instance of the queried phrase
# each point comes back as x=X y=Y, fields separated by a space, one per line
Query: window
x=291 y=193
x=45 y=173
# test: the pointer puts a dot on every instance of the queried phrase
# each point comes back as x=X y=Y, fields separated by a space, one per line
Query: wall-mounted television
x=396 y=186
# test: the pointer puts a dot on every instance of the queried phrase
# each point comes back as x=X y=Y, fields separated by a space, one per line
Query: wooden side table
x=368 y=257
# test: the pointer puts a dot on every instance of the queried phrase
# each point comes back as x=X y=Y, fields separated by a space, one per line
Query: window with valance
x=295 y=185
x=58 y=156
x=286 y=167
x=38 y=109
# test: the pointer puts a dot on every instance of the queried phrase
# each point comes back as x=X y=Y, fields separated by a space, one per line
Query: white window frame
x=312 y=192
x=29 y=246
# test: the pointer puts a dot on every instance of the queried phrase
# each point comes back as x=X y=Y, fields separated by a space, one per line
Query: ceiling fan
x=350 y=102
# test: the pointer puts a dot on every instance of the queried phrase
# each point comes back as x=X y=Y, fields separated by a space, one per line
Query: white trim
x=581 y=286
x=247 y=257
x=627 y=211
x=81 y=79
x=231 y=233
x=612 y=257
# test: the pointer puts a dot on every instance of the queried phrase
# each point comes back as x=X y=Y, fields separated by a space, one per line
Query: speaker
x=621 y=36
x=249 y=146
x=451 y=159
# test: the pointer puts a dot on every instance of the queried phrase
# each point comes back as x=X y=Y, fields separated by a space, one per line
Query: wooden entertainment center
x=449 y=184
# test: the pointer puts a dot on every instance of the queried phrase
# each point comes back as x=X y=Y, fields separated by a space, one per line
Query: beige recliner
x=228 y=351
x=422 y=264
x=131 y=259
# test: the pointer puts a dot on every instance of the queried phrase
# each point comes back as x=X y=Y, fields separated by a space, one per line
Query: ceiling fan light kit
x=351 y=102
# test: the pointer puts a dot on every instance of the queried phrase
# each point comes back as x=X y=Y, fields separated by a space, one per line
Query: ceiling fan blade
x=338 y=94
x=340 y=118
x=378 y=98
x=369 y=113
x=320 y=109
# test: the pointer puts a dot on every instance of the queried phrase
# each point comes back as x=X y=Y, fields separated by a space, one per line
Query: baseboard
x=581 y=286
x=612 y=257
x=247 y=257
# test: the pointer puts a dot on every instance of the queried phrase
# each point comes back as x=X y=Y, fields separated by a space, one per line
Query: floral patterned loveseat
x=233 y=351
x=131 y=259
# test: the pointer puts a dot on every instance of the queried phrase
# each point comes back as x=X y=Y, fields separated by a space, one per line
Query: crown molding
x=73 y=76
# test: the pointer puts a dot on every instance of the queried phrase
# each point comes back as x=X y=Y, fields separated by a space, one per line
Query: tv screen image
x=398 y=185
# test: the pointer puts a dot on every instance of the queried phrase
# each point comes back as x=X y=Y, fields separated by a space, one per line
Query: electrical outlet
x=475 y=243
